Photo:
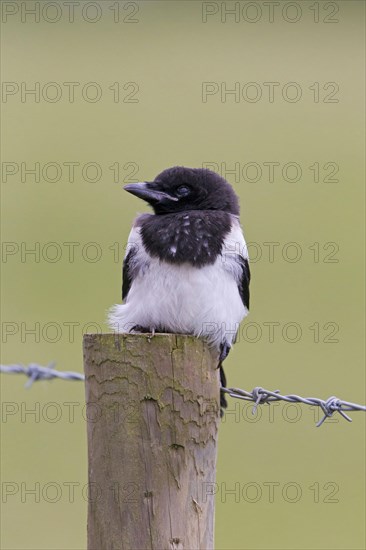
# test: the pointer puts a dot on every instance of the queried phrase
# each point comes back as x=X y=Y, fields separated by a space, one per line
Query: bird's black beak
x=148 y=191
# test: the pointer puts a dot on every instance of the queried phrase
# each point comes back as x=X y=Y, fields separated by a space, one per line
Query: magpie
x=186 y=268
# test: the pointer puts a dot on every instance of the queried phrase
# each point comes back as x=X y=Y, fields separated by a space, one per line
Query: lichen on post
x=152 y=423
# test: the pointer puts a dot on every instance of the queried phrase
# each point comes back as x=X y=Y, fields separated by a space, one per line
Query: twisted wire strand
x=259 y=395
x=37 y=372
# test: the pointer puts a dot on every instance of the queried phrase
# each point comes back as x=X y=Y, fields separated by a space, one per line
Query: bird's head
x=178 y=189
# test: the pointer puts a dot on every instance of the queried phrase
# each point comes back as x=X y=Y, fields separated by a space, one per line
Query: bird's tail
x=223 y=401
x=224 y=352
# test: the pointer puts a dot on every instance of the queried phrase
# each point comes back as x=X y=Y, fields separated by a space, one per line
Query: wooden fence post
x=152 y=421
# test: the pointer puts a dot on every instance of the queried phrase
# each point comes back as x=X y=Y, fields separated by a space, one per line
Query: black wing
x=243 y=285
x=127 y=273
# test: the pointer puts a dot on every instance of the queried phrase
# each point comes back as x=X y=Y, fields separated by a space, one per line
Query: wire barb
x=259 y=396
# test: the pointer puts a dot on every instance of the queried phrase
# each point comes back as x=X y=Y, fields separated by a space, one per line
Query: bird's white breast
x=182 y=298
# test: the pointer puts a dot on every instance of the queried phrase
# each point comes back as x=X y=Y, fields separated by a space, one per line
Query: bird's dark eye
x=183 y=191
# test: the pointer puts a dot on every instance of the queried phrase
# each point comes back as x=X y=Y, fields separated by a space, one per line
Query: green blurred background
x=167 y=51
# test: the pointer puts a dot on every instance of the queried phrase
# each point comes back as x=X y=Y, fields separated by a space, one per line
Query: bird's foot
x=144 y=330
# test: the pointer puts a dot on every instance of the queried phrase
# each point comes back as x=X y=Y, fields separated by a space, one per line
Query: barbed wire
x=259 y=396
x=37 y=372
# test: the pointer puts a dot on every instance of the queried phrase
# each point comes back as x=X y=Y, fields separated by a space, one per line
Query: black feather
x=127 y=273
x=243 y=285
x=195 y=237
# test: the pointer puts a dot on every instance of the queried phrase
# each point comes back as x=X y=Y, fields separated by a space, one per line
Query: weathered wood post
x=153 y=415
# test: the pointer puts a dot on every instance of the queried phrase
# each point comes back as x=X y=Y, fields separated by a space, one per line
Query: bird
x=186 y=268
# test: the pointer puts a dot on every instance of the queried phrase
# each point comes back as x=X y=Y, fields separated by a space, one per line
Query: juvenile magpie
x=186 y=267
